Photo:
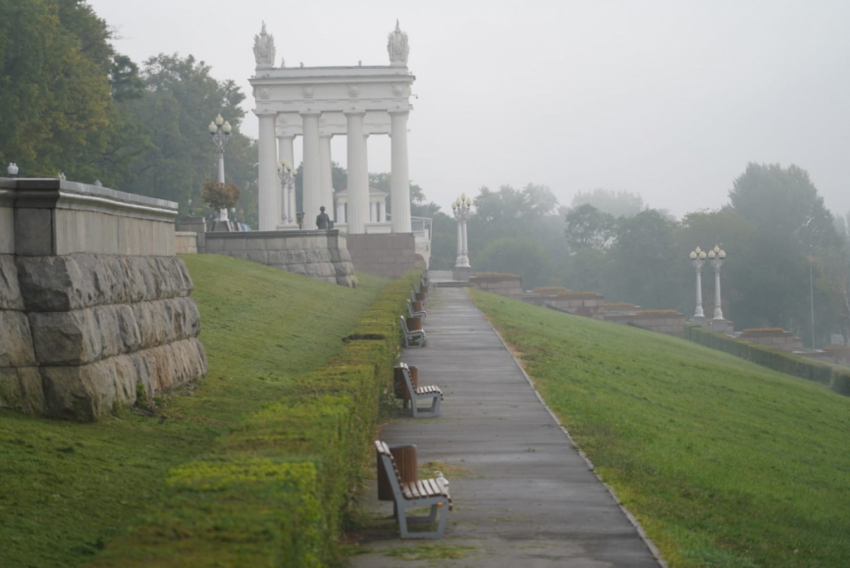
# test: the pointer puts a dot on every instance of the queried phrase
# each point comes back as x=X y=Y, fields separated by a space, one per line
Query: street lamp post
x=697 y=257
x=461 y=208
x=287 y=185
x=716 y=257
x=220 y=132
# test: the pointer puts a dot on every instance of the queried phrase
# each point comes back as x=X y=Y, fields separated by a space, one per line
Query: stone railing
x=94 y=306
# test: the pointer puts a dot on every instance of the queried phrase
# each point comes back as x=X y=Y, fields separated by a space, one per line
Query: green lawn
x=724 y=463
x=66 y=489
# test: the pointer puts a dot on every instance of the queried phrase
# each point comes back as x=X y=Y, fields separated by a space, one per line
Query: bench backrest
x=408 y=380
x=405 y=371
x=390 y=468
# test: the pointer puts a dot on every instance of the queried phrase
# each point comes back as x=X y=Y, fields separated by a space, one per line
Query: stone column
x=459 y=259
x=373 y=212
x=312 y=180
x=286 y=151
x=340 y=212
x=400 y=179
x=358 y=191
x=382 y=211
x=327 y=197
x=269 y=186
x=465 y=245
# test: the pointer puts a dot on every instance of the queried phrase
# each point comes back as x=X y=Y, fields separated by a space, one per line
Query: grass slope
x=725 y=464
x=66 y=488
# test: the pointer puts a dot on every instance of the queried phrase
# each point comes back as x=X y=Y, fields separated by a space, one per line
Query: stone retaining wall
x=94 y=306
x=388 y=255
x=783 y=340
x=671 y=324
x=509 y=285
x=186 y=242
x=322 y=255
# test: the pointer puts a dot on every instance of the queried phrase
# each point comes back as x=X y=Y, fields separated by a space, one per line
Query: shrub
x=277 y=490
x=771 y=358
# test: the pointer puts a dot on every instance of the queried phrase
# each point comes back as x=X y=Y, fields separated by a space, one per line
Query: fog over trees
x=70 y=102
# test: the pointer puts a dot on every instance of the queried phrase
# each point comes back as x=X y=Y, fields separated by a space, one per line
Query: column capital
x=392 y=112
x=262 y=113
x=354 y=112
x=310 y=112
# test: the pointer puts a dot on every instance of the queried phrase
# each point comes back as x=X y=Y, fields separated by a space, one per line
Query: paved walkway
x=523 y=496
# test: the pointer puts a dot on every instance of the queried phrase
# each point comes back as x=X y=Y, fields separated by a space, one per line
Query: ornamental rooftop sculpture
x=397 y=47
x=264 y=49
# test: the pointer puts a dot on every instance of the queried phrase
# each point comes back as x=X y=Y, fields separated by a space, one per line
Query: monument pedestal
x=701 y=320
x=462 y=273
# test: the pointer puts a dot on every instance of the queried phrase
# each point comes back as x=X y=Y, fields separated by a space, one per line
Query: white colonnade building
x=317 y=103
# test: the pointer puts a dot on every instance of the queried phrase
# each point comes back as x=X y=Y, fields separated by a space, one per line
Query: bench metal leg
x=432 y=410
x=441 y=524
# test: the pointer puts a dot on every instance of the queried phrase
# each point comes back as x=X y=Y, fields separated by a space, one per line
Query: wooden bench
x=418 y=297
x=432 y=493
x=411 y=312
x=412 y=336
x=429 y=392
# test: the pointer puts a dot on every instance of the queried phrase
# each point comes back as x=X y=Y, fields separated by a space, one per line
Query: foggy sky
x=670 y=100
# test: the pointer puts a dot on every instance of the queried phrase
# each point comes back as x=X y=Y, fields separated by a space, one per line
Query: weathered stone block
x=16 y=346
x=255 y=244
x=62 y=283
x=10 y=294
x=231 y=245
x=297 y=257
x=10 y=389
x=32 y=392
x=275 y=244
x=259 y=256
x=34 y=232
x=86 y=392
x=7 y=228
x=276 y=257
x=213 y=245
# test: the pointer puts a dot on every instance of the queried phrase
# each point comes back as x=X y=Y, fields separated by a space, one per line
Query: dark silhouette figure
x=322 y=219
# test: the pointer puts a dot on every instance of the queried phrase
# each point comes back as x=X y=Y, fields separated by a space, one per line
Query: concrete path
x=523 y=496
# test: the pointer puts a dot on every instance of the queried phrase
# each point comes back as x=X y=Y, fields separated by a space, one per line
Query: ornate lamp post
x=220 y=132
x=12 y=169
x=716 y=257
x=697 y=257
x=287 y=185
x=461 y=208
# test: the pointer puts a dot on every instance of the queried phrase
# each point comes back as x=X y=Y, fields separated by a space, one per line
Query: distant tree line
x=71 y=103
x=784 y=249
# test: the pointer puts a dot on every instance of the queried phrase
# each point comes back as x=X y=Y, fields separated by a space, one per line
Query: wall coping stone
x=49 y=193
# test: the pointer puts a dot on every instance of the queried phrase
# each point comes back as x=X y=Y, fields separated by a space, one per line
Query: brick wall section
x=389 y=255
x=321 y=255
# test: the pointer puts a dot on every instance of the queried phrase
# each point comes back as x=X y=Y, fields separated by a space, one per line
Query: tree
x=615 y=203
x=795 y=252
x=178 y=102
x=642 y=261
x=522 y=256
x=588 y=227
x=783 y=200
x=58 y=107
